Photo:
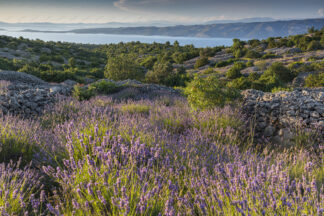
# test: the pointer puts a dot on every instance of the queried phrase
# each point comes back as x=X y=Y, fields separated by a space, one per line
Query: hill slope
x=228 y=30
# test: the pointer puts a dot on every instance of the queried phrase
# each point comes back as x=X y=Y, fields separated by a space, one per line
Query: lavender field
x=152 y=157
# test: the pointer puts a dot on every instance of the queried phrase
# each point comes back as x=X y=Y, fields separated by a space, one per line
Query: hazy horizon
x=173 y=11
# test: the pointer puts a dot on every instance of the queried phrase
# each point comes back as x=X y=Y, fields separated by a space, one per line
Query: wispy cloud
x=134 y=5
x=142 y=5
x=321 y=11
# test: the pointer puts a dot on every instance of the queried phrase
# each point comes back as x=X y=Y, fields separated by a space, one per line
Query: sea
x=113 y=39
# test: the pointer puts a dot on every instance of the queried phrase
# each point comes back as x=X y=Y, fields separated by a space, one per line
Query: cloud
x=134 y=5
x=156 y=5
x=321 y=11
x=212 y=18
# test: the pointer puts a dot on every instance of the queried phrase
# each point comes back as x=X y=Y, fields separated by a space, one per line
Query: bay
x=108 y=39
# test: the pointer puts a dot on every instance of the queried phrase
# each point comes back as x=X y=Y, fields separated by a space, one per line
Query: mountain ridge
x=258 y=30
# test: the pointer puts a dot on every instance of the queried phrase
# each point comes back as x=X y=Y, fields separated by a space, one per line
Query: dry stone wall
x=278 y=114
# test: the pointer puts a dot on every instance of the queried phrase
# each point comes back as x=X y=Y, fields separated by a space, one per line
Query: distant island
x=226 y=30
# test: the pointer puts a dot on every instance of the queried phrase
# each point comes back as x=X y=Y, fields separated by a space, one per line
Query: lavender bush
x=103 y=157
x=21 y=190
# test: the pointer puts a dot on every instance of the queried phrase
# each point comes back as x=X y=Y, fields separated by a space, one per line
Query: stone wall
x=277 y=114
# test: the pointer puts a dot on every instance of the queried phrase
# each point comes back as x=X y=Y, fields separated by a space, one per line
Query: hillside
x=228 y=30
x=162 y=129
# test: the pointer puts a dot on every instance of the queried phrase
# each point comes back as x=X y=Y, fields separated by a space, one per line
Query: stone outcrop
x=14 y=76
x=26 y=95
x=137 y=90
x=278 y=114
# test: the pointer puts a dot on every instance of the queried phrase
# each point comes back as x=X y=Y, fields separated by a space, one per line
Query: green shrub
x=240 y=83
x=253 y=76
x=314 y=45
x=101 y=87
x=262 y=65
x=82 y=93
x=6 y=64
x=159 y=73
x=235 y=71
x=267 y=82
x=249 y=64
x=122 y=68
x=282 y=72
x=149 y=62
x=163 y=73
x=268 y=56
x=104 y=87
x=209 y=70
x=240 y=53
x=209 y=92
x=252 y=54
x=322 y=41
x=202 y=61
x=224 y=63
x=279 y=89
x=315 y=80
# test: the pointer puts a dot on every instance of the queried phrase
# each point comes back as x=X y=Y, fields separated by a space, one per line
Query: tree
x=72 y=62
x=322 y=41
x=311 y=30
x=122 y=68
x=176 y=44
x=279 y=70
x=235 y=71
x=314 y=45
x=237 y=44
x=160 y=73
x=202 y=61
x=252 y=54
x=209 y=92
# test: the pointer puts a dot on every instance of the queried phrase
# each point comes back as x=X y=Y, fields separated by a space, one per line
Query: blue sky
x=185 y=11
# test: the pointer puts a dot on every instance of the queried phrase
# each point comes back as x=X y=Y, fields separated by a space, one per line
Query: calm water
x=107 y=39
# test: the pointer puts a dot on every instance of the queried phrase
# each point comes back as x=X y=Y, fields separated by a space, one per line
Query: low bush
x=225 y=63
x=202 y=61
x=240 y=83
x=235 y=71
x=314 y=45
x=208 y=92
x=101 y=87
x=315 y=80
x=268 y=56
x=122 y=68
x=82 y=93
x=252 y=54
x=282 y=72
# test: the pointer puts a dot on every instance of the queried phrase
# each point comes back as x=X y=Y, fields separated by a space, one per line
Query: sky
x=180 y=11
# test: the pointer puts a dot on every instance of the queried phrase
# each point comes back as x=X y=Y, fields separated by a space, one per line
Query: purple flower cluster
x=156 y=158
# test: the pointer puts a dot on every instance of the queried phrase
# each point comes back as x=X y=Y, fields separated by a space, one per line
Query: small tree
x=202 y=61
x=72 y=62
x=209 y=92
x=252 y=54
x=235 y=71
x=322 y=41
x=314 y=45
x=279 y=70
x=122 y=68
x=160 y=73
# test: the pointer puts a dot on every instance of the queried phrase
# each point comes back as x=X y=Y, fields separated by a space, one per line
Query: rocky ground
x=26 y=95
x=284 y=55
